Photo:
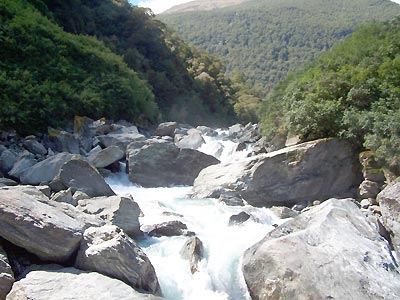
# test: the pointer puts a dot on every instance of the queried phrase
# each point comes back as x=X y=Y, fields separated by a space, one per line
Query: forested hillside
x=266 y=39
x=203 y=5
x=103 y=58
x=353 y=91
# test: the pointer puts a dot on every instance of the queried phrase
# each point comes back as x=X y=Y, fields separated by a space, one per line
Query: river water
x=219 y=276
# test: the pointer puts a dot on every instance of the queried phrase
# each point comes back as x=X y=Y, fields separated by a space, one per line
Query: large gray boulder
x=46 y=170
x=122 y=140
x=27 y=221
x=194 y=140
x=106 y=156
x=310 y=171
x=79 y=175
x=6 y=275
x=123 y=212
x=7 y=160
x=21 y=166
x=166 y=129
x=389 y=201
x=59 y=283
x=109 y=251
x=329 y=252
x=158 y=162
x=192 y=251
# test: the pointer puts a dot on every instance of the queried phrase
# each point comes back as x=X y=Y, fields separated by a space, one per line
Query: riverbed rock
x=121 y=140
x=33 y=146
x=7 y=182
x=166 y=129
x=6 y=275
x=239 y=218
x=369 y=189
x=106 y=157
x=193 y=140
x=46 y=170
x=21 y=166
x=66 y=142
x=79 y=175
x=310 y=171
x=283 y=212
x=84 y=132
x=158 y=162
x=389 y=202
x=65 y=196
x=7 y=161
x=28 y=222
x=329 y=252
x=55 y=282
x=109 y=251
x=123 y=212
x=171 y=228
x=192 y=251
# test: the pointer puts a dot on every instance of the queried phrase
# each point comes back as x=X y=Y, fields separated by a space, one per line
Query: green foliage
x=47 y=75
x=353 y=91
x=267 y=39
x=159 y=56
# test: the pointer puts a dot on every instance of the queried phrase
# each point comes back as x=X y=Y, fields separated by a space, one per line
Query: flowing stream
x=219 y=276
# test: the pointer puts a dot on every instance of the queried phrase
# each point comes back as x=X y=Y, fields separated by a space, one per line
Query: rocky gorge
x=105 y=210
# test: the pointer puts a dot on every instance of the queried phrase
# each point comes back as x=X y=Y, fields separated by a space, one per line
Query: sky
x=158 y=6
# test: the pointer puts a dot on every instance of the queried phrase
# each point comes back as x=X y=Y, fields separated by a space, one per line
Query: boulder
x=66 y=142
x=78 y=195
x=21 y=166
x=6 y=275
x=171 y=228
x=329 y=252
x=389 y=202
x=207 y=131
x=369 y=189
x=192 y=251
x=123 y=212
x=109 y=251
x=55 y=282
x=372 y=170
x=166 y=129
x=160 y=163
x=65 y=196
x=7 y=161
x=33 y=146
x=106 y=157
x=7 y=182
x=192 y=141
x=45 y=189
x=238 y=219
x=283 y=212
x=26 y=220
x=121 y=140
x=84 y=132
x=310 y=171
x=79 y=175
x=46 y=170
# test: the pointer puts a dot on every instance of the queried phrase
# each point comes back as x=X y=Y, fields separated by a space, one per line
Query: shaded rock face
x=304 y=172
x=21 y=166
x=46 y=170
x=55 y=282
x=123 y=212
x=192 y=251
x=238 y=219
x=7 y=161
x=121 y=140
x=171 y=228
x=33 y=146
x=109 y=251
x=106 y=157
x=158 y=162
x=329 y=252
x=6 y=275
x=389 y=201
x=28 y=222
x=79 y=175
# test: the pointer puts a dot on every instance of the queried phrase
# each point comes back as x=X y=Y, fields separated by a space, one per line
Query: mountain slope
x=266 y=39
x=352 y=91
x=203 y=5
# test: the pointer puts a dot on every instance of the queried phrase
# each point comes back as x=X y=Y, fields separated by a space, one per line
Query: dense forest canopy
x=103 y=58
x=267 y=39
x=353 y=91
